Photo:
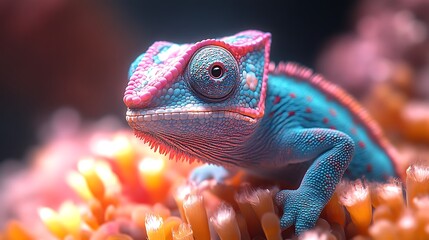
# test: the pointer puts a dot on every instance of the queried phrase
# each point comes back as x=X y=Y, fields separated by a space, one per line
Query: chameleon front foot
x=300 y=208
x=209 y=172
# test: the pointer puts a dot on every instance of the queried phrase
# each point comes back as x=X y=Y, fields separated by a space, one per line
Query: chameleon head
x=184 y=98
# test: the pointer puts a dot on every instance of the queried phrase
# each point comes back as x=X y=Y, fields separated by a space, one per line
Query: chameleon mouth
x=168 y=114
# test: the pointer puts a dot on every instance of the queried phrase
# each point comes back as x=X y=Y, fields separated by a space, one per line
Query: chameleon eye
x=213 y=73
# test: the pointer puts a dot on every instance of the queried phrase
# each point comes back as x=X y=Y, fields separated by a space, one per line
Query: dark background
x=76 y=53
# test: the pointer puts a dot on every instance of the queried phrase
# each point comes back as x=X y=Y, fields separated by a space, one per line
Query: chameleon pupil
x=216 y=71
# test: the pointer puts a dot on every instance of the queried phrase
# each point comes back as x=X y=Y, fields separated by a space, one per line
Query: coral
x=117 y=188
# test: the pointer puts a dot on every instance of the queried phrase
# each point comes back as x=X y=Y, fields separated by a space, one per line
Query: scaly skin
x=222 y=102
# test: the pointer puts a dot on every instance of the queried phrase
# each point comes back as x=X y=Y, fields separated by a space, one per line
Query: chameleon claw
x=300 y=207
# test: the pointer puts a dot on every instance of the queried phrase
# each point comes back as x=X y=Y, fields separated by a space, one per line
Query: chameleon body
x=221 y=101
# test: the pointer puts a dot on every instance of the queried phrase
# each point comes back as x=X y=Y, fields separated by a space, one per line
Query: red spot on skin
x=361 y=144
x=385 y=177
x=276 y=99
x=333 y=127
x=292 y=95
x=325 y=120
x=369 y=168
x=308 y=110
x=353 y=130
x=271 y=114
x=291 y=113
x=309 y=98
x=333 y=112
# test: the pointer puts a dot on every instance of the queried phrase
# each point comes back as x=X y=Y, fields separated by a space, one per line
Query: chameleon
x=221 y=101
